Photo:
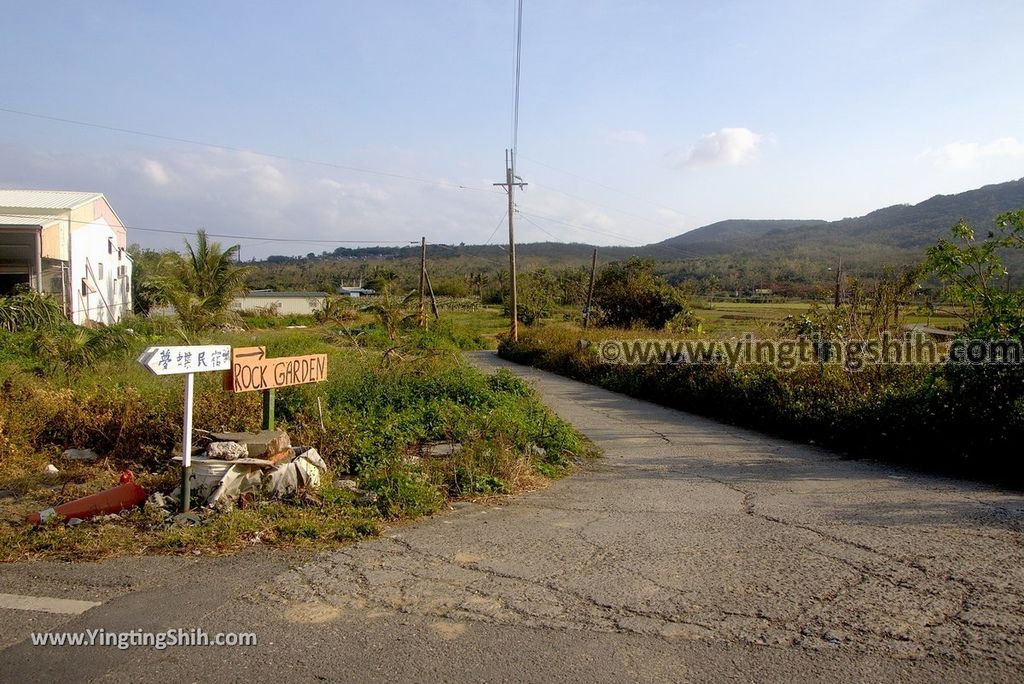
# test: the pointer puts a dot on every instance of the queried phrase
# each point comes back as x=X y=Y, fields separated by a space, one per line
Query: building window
x=110 y=245
x=99 y=271
x=85 y=287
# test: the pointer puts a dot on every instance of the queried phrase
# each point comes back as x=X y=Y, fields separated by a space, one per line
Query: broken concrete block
x=226 y=451
x=80 y=455
x=262 y=444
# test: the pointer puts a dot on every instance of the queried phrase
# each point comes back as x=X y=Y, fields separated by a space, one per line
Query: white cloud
x=958 y=156
x=241 y=193
x=155 y=172
x=628 y=136
x=724 y=147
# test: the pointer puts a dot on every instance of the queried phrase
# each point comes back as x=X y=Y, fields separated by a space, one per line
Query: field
x=724 y=318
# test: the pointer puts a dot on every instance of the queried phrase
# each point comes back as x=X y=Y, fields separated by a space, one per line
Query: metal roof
x=270 y=294
x=44 y=199
x=27 y=220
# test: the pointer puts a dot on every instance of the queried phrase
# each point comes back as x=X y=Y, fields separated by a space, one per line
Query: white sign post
x=186 y=361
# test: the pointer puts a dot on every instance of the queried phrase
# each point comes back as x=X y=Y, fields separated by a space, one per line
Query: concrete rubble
x=236 y=465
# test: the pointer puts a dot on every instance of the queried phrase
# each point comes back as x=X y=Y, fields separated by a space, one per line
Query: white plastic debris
x=80 y=455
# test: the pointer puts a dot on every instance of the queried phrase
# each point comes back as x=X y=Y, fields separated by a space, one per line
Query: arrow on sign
x=248 y=352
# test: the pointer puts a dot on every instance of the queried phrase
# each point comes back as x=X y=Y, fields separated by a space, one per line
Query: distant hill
x=902 y=230
x=785 y=255
x=720 y=237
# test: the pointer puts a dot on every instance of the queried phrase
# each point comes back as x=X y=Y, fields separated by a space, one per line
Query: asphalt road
x=692 y=551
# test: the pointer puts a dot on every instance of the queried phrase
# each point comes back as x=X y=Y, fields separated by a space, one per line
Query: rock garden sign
x=186 y=361
x=252 y=370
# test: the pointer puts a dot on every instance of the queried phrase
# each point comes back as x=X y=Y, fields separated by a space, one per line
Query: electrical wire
x=496 y=227
x=257 y=238
x=602 y=185
x=231 y=148
x=606 y=206
x=515 y=99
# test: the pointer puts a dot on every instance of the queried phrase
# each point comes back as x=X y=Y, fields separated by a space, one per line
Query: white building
x=281 y=303
x=68 y=244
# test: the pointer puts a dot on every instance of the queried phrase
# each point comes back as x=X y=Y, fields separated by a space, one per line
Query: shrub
x=629 y=294
x=950 y=416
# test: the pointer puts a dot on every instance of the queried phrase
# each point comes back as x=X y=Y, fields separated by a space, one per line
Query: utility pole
x=590 y=290
x=511 y=181
x=422 y=317
x=839 y=280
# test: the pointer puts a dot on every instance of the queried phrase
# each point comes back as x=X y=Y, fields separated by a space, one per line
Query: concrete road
x=693 y=551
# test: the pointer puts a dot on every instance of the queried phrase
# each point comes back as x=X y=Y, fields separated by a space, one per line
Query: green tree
x=628 y=294
x=975 y=279
x=201 y=284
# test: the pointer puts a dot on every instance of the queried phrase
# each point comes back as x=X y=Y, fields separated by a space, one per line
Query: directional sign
x=191 y=359
x=186 y=361
x=251 y=370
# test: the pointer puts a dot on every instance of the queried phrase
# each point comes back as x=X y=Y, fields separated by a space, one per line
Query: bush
x=947 y=417
x=629 y=294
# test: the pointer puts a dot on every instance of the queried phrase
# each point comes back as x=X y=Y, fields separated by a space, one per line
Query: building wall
x=56 y=240
x=106 y=273
x=286 y=305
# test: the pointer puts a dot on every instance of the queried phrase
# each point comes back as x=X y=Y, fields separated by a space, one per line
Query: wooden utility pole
x=422 y=316
x=590 y=290
x=839 y=286
x=433 y=299
x=511 y=181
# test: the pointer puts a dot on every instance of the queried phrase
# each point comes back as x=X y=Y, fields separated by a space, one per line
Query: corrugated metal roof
x=44 y=199
x=27 y=220
x=269 y=294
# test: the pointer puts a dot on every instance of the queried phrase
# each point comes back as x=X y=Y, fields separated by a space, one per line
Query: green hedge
x=966 y=420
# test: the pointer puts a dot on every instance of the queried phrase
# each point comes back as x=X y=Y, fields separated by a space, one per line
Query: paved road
x=692 y=551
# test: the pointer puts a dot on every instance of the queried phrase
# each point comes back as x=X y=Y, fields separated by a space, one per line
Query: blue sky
x=638 y=120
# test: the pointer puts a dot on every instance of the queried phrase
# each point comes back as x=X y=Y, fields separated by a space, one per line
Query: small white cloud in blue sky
x=629 y=136
x=724 y=147
x=957 y=156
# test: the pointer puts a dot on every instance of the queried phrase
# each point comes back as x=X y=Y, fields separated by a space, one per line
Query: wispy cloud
x=967 y=155
x=248 y=194
x=724 y=147
x=628 y=136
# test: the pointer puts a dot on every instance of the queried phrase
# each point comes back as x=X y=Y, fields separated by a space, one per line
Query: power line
x=172 y=231
x=606 y=206
x=539 y=227
x=231 y=148
x=606 y=187
x=684 y=252
x=496 y=227
x=515 y=100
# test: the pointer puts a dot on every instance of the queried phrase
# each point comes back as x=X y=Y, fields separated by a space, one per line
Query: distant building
x=70 y=245
x=355 y=291
x=282 y=303
x=929 y=331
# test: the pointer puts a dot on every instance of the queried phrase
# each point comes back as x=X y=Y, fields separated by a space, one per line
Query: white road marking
x=46 y=604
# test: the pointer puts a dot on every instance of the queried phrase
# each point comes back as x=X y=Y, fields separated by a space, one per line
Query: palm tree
x=477 y=280
x=201 y=284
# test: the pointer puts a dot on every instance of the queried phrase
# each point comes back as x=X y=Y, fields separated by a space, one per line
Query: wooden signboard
x=251 y=370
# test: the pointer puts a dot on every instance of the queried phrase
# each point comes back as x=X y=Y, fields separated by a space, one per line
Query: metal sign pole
x=186 y=447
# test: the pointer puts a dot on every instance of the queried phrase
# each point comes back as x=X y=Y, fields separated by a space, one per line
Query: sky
x=324 y=122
